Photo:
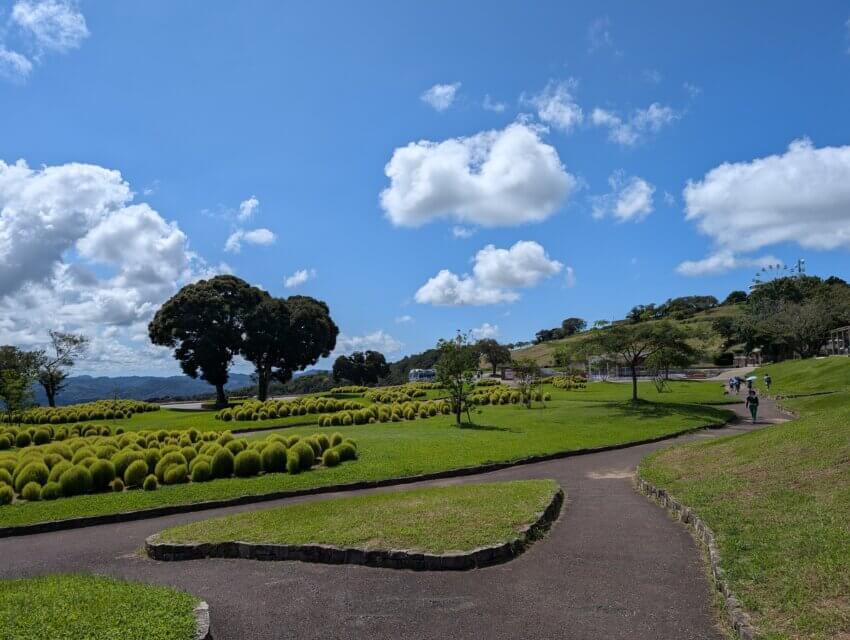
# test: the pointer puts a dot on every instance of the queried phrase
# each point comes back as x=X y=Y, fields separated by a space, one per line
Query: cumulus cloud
x=441 y=96
x=485 y=331
x=247 y=208
x=556 y=106
x=260 y=237
x=376 y=341
x=692 y=89
x=494 y=178
x=489 y=104
x=405 y=319
x=722 y=262
x=634 y=128
x=13 y=65
x=54 y=25
x=298 y=278
x=462 y=232
x=496 y=274
x=630 y=199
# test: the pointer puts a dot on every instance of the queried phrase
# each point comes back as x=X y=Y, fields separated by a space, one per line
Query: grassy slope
x=778 y=500
x=434 y=520
x=400 y=449
x=74 y=607
x=709 y=342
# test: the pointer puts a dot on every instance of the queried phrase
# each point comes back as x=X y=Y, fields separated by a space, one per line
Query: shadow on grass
x=649 y=410
x=484 y=427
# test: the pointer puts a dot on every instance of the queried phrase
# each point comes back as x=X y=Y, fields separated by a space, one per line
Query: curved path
x=614 y=566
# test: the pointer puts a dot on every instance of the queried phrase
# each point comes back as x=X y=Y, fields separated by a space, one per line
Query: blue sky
x=562 y=138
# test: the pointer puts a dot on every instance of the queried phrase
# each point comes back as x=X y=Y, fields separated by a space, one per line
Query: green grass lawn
x=778 y=501
x=801 y=377
x=398 y=449
x=67 y=607
x=434 y=520
x=680 y=391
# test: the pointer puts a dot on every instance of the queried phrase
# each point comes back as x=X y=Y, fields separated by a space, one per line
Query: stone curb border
x=202 y=621
x=738 y=618
x=386 y=559
x=155 y=512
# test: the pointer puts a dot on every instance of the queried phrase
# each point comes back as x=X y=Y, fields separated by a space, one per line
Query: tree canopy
x=495 y=353
x=65 y=348
x=361 y=367
x=456 y=368
x=18 y=371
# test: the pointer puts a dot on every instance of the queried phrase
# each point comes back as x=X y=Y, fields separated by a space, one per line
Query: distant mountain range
x=89 y=388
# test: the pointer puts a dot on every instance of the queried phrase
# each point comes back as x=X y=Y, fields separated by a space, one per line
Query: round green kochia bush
x=152 y=457
x=222 y=464
x=293 y=461
x=58 y=469
x=168 y=460
x=41 y=436
x=176 y=474
x=5 y=442
x=247 y=463
x=150 y=483
x=124 y=459
x=274 y=458
x=22 y=439
x=6 y=494
x=346 y=451
x=75 y=481
x=117 y=485
x=51 y=491
x=330 y=458
x=31 y=492
x=5 y=477
x=135 y=473
x=201 y=471
x=33 y=472
x=102 y=473
x=306 y=455
x=235 y=446
x=336 y=438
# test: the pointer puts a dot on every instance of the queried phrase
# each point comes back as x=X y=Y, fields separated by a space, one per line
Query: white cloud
x=54 y=25
x=299 y=277
x=556 y=106
x=653 y=76
x=13 y=65
x=462 y=232
x=570 y=277
x=247 y=208
x=630 y=199
x=405 y=319
x=692 y=89
x=599 y=35
x=496 y=274
x=801 y=196
x=441 y=96
x=485 y=331
x=377 y=341
x=494 y=178
x=722 y=262
x=669 y=199
x=631 y=130
x=260 y=237
x=493 y=105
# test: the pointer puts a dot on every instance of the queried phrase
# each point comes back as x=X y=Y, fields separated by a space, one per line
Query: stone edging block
x=387 y=559
x=738 y=618
x=156 y=512
x=202 y=621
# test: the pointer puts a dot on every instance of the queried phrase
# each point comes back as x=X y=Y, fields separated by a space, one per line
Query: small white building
x=421 y=375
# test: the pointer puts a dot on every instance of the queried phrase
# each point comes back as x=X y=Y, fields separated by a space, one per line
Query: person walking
x=753 y=404
x=749 y=384
x=767 y=381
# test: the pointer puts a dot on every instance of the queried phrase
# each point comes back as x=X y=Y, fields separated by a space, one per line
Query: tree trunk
x=50 y=392
x=458 y=410
x=634 y=383
x=220 y=397
x=263 y=379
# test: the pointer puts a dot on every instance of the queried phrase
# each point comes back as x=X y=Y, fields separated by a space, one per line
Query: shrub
x=274 y=458
x=222 y=464
x=58 y=469
x=6 y=494
x=346 y=451
x=201 y=471
x=324 y=441
x=330 y=458
x=189 y=453
x=117 y=485
x=306 y=455
x=75 y=481
x=176 y=474
x=346 y=419
x=31 y=492
x=135 y=473
x=547 y=397
x=293 y=461
x=235 y=446
x=167 y=461
x=247 y=463
x=41 y=436
x=5 y=477
x=150 y=483
x=102 y=473
x=5 y=442
x=22 y=439
x=51 y=491
x=336 y=438
x=124 y=459
x=33 y=472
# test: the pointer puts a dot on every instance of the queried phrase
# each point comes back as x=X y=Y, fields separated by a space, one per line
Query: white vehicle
x=421 y=375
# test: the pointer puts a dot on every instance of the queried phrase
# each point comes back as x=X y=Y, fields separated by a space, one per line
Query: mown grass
x=676 y=391
x=400 y=449
x=74 y=607
x=433 y=520
x=801 y=377
x=778 y=501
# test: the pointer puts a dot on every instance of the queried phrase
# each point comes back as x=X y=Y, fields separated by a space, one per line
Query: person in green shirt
x=753 y=404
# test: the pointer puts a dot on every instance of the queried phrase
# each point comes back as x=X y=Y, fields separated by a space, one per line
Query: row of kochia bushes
x=148 y=459
x=21 y=437
x=504 y=395
x=270 y=409
x=387 y=413
x=399 y=393
x=569 y=383
x=100 y=410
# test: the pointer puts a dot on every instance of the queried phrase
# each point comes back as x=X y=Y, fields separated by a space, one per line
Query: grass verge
x=73 y=607
x=433 y=520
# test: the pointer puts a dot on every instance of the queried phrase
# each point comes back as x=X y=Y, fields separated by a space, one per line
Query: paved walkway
x=613 y=567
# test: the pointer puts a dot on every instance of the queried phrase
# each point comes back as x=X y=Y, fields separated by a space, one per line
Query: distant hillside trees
x=361 y=367
x=569 y=326
x=674 y=308
x=734 y=297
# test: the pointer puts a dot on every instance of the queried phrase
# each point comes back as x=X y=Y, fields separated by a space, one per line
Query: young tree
x=659 y=363
x=634 y=343
x=52 y=371
x=282 y=336
x=527 y=376
x=600 y=324
x=361 y=368
x=572 y=326
x=563 y=358
x=495 y=353
x=18 y=371
x=735 y=297
x=204 y=322
x=456 y=370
